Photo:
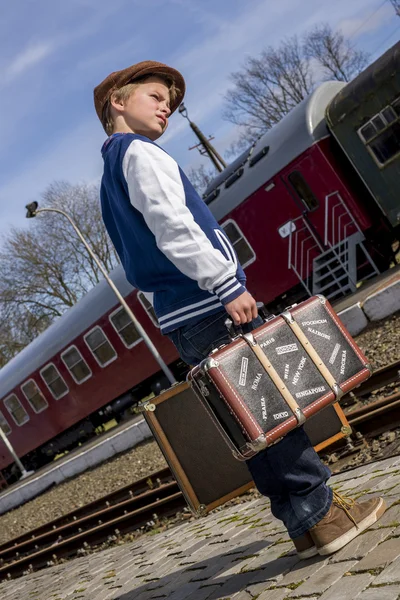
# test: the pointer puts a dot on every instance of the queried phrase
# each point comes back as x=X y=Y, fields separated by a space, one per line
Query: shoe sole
x=313 y=551
x=355 y=531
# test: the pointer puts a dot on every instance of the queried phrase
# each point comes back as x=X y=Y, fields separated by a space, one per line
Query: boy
x=170 y=245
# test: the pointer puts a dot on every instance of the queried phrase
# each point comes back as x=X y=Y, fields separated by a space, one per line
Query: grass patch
x=109 y=574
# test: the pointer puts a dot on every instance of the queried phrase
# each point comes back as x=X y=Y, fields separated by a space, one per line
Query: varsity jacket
x=166 y=237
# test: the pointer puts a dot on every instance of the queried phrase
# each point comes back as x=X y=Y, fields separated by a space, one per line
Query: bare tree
x=18 y=328
x=201 y=177
x=45 y=268
x=338 y=59
x=269 y=86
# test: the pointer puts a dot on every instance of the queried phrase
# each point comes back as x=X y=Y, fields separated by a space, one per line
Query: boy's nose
x=165 y=109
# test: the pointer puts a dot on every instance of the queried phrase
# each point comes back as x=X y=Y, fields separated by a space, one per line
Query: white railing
x=339 y=223
x=304 y=246
x=339 y=227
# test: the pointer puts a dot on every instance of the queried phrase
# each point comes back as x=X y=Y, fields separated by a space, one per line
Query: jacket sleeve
x=156 y=190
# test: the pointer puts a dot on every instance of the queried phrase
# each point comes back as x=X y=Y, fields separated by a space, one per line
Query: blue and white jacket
x=167 y=239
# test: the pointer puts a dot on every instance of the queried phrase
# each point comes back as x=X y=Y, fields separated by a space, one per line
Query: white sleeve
x=156 y=190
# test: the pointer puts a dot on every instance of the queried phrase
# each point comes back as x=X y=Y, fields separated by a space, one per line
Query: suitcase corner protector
x=209 y=363
x=258 y=444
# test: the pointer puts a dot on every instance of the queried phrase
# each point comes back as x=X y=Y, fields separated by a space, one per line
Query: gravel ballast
x=380 y=342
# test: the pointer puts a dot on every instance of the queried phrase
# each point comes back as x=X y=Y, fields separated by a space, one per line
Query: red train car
x=301 y=221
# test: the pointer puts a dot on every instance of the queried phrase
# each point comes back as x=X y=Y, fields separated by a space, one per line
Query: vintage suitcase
x=264 y=384
x=199 y=458
x=197 y=455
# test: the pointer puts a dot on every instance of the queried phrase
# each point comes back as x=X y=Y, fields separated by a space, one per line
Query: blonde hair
x=126 y=92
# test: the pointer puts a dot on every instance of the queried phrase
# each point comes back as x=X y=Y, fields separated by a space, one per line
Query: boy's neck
x=122 y=128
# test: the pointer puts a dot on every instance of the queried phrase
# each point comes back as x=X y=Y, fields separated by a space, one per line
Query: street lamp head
x=31 y=210
x=183 y=111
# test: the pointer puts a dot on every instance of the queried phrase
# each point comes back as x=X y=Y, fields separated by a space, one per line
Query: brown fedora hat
x=118 y=79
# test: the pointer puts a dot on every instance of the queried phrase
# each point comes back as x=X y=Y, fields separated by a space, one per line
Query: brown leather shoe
x=345 y=520
x=305 y=546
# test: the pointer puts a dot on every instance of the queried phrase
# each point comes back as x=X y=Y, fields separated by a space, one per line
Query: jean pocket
x=208 y=334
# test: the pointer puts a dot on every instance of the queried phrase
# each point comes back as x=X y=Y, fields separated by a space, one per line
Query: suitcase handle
x=237 y=330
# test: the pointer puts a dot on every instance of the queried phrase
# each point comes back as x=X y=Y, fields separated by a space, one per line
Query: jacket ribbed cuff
x=229 y=290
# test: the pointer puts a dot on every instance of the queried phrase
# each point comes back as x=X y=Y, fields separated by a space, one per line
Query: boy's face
x=147 y=110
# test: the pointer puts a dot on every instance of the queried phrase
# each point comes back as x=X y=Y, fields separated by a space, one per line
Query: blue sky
x=54 y=53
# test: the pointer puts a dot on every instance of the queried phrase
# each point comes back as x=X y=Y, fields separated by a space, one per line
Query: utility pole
x=396 y=6
x=205 y=148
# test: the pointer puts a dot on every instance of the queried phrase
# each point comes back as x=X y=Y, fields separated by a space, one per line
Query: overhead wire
x=385 y=40
x=367 y=19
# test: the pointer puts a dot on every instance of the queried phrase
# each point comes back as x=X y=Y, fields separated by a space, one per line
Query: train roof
x=93 y=305
x=298 y=130
x=365 y=84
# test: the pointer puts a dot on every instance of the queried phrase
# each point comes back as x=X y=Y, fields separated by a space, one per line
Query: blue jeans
x=290 y=473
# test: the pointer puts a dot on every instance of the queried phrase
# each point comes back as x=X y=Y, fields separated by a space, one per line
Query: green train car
x=364 y=117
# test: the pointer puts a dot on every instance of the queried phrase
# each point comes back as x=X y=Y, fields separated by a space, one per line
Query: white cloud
x=32 y=55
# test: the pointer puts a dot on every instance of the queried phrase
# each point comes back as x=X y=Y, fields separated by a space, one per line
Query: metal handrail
x=300 y=248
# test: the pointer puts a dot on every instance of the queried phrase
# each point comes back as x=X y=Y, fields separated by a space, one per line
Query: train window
x=381 y=134
x=16 y=410
x=101 y=348
x=303 y=190
x=386 y=145
x=396 y=106
x=76 y=364
x=125 y=328
x=148 y=307
x=34 y=396
x=244 y=251
x=4 y=424
x=378 y=123
x=367 y=132
x=54 y=381
x=389 y=114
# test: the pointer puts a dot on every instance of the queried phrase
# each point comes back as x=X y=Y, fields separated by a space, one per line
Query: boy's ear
x=119 y=104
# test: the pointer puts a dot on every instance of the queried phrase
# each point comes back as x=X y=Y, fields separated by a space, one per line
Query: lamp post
x=21 y=467
x=32 y=211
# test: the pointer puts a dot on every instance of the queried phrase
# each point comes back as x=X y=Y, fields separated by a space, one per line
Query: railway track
x=379 y=415
x=158 y=495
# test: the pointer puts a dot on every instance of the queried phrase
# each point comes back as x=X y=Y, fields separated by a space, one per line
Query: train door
x=308 y=188
x=269 y=219
x=310 y=181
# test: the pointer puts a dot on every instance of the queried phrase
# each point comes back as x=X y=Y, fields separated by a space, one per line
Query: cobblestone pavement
x=238 y=553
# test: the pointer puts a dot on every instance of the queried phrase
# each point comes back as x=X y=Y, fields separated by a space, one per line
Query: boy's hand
x=242 y=309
